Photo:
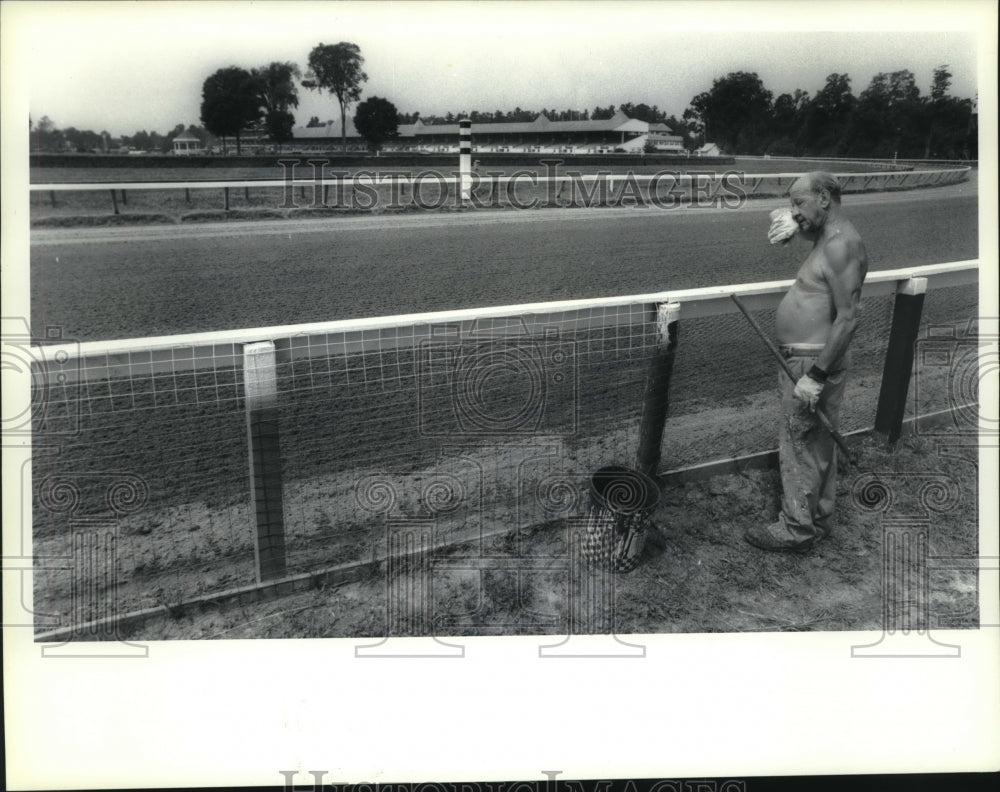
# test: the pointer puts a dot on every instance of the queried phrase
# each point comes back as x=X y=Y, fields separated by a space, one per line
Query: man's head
x=814 y=197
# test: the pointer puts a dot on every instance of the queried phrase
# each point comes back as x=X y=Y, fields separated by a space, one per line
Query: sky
x=123 y=67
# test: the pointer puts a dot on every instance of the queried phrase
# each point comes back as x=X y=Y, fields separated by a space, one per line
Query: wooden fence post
x=654 y=407
x=261 y=389
x=114 y=201
x=225 y=191
x=899 y=357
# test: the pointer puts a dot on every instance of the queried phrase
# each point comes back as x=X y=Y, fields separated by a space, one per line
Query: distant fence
x=466 y=186
x=238 y=458
x=896 y=163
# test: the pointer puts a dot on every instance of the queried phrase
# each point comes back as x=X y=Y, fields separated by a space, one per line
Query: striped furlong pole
x=465 y=157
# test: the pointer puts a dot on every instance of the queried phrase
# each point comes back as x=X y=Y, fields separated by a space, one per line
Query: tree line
x=888 y=118
x=45 y=136
x=641 y=111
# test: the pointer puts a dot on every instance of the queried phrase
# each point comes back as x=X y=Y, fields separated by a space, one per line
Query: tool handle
x=838 y=438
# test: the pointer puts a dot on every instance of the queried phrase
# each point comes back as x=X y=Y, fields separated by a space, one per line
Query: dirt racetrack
x=123 y=283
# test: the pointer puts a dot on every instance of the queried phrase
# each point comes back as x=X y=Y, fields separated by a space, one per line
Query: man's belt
x=801 y=350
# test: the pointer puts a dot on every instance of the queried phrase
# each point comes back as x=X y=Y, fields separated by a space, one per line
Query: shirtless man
x=814 y=324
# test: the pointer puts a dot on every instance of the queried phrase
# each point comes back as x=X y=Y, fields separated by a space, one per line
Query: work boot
x=775 y=537
x=825 y=528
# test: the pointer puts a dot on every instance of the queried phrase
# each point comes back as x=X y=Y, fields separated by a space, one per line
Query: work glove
x=783 y=226
x=808 y=390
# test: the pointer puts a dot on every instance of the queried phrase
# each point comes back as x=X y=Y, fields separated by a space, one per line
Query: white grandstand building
x=541 y=136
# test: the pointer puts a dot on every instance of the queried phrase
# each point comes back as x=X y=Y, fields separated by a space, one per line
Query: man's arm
x=844 y=273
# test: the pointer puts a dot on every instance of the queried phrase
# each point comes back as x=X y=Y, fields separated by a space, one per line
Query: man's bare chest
x=810 y=275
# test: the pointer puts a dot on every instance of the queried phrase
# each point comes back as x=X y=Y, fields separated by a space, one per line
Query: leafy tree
x=376 y=121
x=82 y=139
x=890 y=118
x=337 y=68
x=682 y=129
x=948 y=119
x=279 y=125
x=940 y=83
x=278 y=93
x=736 y=112
x=787 y=122
x=141 y=140
x=230 y=103
x=642 y=111
x=46 y=137
x=828 y=116
x=695 y=126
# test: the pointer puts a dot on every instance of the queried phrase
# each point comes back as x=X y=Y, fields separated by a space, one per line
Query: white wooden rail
x=880 y=180
x=98 y=360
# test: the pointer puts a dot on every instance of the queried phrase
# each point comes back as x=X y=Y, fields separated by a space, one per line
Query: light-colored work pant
x=807 y=452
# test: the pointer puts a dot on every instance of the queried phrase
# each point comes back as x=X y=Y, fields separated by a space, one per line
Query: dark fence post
x=52 y=197
x=899 y=358
x=225 y=191
x=654 y=407
x=263 y=439
x=114 y=201
x=124 y=199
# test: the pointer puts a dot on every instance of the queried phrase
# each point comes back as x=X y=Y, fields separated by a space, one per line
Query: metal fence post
x=654 y=407
x=899 y=357
x=263 y=436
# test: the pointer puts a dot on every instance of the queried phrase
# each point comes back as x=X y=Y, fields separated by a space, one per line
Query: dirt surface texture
x=696 y=574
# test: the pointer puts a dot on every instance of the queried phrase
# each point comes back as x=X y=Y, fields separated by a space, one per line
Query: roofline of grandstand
x=618 y=123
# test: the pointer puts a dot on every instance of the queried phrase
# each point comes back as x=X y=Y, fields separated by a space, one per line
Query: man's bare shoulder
x=845 y=250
